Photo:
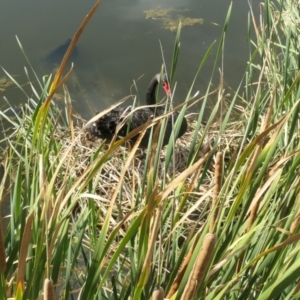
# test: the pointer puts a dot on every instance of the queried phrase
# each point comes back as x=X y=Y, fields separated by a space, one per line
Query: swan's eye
x=166 y=87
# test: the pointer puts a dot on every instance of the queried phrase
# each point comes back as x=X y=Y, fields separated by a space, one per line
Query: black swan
x=106 y=126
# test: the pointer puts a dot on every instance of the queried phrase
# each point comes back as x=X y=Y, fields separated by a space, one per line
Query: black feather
x=106 y=126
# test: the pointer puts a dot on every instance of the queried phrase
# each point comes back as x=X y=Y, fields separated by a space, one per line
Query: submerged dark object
x=12 y=112
x=106 y=126
x=56 y=55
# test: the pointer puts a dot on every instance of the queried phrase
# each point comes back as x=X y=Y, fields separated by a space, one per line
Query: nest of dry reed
x=108 y=177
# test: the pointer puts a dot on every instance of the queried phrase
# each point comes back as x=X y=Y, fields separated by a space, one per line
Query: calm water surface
x=119 y=45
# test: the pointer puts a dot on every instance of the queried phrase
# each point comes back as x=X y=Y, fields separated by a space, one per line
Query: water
x=119 y=45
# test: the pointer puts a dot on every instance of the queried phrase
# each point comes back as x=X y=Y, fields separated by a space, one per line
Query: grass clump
x=215 y=216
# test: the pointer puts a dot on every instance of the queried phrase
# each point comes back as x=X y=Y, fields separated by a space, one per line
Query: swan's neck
x=151 y=93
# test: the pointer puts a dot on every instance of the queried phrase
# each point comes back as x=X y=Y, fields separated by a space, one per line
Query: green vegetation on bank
x=215 y=216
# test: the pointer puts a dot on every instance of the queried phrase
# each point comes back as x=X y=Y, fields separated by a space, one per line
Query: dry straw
x=200 y=267
x=24 y=250
x=295 y=223
x=85 y=147
x=264 y=126
x=153 y=237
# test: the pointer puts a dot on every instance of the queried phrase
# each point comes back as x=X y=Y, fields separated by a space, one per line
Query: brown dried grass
x=108 y=177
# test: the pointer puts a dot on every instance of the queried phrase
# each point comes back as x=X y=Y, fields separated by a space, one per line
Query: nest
x=106 y=180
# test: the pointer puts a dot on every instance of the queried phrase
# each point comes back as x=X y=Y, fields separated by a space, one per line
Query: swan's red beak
x=166 y=87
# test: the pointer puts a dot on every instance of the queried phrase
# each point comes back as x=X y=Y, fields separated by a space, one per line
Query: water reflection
x=119 y=45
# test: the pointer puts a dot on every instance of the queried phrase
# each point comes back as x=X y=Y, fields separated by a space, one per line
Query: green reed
x=224 y=227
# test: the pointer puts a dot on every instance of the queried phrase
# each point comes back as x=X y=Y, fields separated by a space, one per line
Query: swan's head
x=164 y=82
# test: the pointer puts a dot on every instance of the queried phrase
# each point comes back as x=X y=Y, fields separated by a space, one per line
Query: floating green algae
x=170 y=18
x=5 y=82
x=172 y=24
x=158 y=13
